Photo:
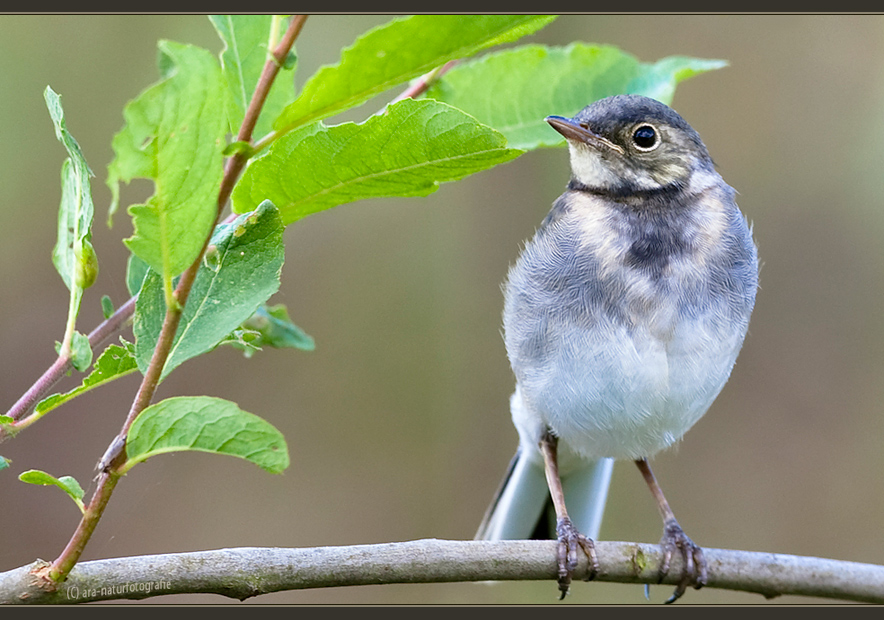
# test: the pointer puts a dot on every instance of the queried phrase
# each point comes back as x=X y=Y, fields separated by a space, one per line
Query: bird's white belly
x=624 y=393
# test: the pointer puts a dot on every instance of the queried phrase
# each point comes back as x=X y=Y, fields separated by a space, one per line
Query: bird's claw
x=694 y=574
x=569 y=542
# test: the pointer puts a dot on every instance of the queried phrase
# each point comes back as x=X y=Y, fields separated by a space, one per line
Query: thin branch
x=247 y=572
x=423 y=83
x=268 y=75
x=62 y=364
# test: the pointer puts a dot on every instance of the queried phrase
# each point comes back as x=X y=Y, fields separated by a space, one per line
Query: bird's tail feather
x=521 y=501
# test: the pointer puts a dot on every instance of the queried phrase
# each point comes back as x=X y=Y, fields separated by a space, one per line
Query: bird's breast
x=622 y=327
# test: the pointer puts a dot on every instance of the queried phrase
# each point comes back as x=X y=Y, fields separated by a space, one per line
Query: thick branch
x=246 y=572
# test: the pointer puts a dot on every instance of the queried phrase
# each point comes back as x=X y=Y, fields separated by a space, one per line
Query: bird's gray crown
x=608 y=117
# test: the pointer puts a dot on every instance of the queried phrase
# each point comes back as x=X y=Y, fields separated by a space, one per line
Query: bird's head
x=629 y=144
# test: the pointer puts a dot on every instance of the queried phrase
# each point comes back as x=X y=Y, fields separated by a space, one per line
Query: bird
x=623 y=318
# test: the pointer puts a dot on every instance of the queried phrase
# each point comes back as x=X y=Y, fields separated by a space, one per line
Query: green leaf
x=4 y=462
x=270 y=326
x=87 y=265
x=540 y=80
x=290 y=60
x=76 y=210
x=658 y=80
x=174 y=134
x=136 y=269
x=113 y=363
x=246 y=39
x=396 y=52
x=239 y=272
x=407 y=151
x=243 y=339
x=5 y=419
x=73 y=254
x=107 y=306
x=240 y=147
x=81 y=352
x=208 y=425
x=68 y=484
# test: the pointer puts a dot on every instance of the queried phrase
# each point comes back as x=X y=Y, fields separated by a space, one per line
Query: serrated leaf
x=270 y=326
x=407 y=151
x=246 y=39
x=174 y=135
x=208 y=425
x=396 y=52
x=115 y=362
x=68 y=484
x=239 y=272
x=539 y=80
x=76 y=210
x=73 y=254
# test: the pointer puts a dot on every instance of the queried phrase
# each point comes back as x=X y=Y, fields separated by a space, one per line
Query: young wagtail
x=623 y=318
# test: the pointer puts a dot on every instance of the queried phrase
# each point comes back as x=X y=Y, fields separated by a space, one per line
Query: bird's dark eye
x=645 y=138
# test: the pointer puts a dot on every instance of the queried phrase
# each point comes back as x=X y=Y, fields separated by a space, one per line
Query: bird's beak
x=573 y=130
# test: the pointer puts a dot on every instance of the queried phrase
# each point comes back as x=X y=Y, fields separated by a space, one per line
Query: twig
x=246 y=572
x=423 y=83
x=62 y=364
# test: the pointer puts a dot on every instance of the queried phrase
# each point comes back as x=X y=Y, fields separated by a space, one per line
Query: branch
x=246 y=572
x=423 y=83
x=62 y=364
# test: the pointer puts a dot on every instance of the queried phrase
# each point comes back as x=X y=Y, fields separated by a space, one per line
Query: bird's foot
x=569 y=542
x=674 y=539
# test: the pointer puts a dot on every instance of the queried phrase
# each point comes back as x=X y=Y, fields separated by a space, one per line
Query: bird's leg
x=568 y=536
x=675 y=538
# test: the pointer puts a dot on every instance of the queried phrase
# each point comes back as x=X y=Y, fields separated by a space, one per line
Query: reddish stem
x=62 y=364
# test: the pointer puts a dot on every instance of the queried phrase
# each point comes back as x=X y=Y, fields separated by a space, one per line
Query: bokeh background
x=397 y=424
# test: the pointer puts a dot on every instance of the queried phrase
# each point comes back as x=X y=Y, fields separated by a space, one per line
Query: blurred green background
x=398 y=423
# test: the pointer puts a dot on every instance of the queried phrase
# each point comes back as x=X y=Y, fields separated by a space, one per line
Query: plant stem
x=421 y=84
x=68 y=558
x=116 y=453
x=62 y=364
